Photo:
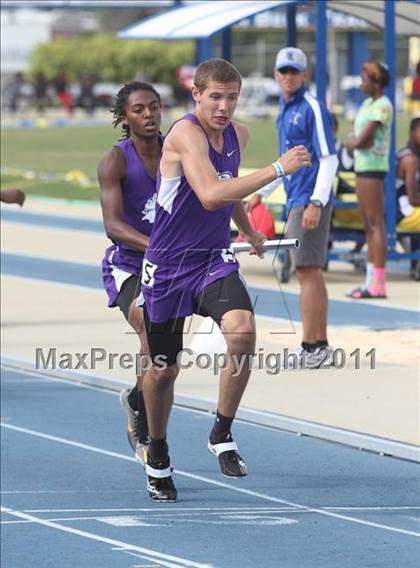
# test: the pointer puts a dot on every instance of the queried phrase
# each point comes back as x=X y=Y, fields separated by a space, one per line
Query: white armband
x=324 y=181
x=279 y=169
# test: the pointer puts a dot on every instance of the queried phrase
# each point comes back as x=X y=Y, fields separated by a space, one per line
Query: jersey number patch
x=147 y=277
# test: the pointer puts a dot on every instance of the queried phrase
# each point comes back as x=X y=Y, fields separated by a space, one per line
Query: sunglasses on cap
x=288 y=70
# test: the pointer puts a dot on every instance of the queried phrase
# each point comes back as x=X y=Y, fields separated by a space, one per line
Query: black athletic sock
x=143 y=430
x=310 y=347
x=158 y=450
x=132 y=399
x=221 y=429
x=323 y=343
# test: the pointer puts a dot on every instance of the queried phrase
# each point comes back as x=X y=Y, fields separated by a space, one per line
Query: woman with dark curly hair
x=370 y=144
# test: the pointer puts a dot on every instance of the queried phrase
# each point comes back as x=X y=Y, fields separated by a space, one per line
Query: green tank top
x=375 y=158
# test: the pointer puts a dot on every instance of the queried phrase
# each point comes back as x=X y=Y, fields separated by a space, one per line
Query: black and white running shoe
x=138 y=446
x=231 y=463
x=160 y=485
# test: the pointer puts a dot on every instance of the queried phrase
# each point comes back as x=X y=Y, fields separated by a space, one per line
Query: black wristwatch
x=316 y=202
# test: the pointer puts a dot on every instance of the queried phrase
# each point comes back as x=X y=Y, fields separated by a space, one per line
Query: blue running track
x=272 y=303
x=73 y=496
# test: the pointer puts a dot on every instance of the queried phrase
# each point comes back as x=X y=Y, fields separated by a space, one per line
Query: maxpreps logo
x=225 y=175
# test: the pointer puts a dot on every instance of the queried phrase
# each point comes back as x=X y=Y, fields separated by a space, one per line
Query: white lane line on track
x=39 y=374
x=199 y=511
x=403 y=508
x=161 y=562
x=202 y=413
x=68 y=442
x=213 y=482
x=197 y=411
x=70 y=491
x=225 y=519
x=156 y=556
x=179 y=510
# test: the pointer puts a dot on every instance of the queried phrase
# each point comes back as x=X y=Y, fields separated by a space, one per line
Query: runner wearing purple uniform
x=188 y=267
x=199 y=257
x=127 y=178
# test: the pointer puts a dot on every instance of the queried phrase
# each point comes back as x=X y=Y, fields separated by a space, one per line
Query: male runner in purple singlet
x=127 y=178
x=189 y=268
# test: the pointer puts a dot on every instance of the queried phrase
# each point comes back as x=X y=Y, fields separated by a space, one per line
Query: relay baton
x=274 y=244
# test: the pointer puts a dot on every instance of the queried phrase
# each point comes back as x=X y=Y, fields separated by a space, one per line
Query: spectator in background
x=62 y=91
x=303 y=119
x=87 y=98
x=15 y=196
x=408 y=181
x=345 y=159
x=408 y=188
x=346 y=181
x=14 y=92
x=40 y=86
x=185 y=77
x=370 y=146
x=415 y=92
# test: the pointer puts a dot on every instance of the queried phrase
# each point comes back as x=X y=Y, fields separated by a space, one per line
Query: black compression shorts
x=166 y=338
x=129 y=292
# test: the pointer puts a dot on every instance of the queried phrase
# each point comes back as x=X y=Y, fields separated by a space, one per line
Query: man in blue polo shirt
x=303 y=119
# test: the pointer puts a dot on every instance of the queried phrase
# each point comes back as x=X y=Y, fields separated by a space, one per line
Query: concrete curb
x=382 y=446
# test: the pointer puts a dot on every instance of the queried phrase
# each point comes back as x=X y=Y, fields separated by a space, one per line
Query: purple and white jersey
x=139 y=210
x=189 y=246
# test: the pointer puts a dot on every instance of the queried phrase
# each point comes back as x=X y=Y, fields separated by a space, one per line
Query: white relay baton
x=274 y=244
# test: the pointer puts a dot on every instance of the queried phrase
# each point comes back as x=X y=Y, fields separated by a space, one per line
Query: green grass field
x=73 y=149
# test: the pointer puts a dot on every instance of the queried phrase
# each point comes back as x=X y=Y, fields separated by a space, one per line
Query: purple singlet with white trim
x=189 y=246
x=139 y=210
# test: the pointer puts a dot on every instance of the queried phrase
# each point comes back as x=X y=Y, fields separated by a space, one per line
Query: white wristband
x=279 y=169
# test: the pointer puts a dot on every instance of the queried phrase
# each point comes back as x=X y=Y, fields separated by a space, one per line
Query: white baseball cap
x=291 y=57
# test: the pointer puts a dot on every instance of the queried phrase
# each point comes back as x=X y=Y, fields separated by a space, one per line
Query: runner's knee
x=304 y=273
x=240 y=336
x=163 y=377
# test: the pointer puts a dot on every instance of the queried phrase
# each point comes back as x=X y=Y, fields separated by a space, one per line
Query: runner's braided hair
x=121 y=99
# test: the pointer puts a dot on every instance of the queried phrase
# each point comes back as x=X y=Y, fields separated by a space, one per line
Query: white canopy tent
x=203 y=19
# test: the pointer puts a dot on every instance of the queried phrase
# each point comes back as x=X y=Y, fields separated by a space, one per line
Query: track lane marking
x=155 y=555
x=213 y=482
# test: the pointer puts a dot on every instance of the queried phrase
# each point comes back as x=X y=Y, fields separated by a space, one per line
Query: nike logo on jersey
x=230 y=153
x=214 y=272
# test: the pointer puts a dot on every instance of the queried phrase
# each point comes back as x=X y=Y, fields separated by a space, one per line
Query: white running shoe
x=300 y=358
x=326 y=355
